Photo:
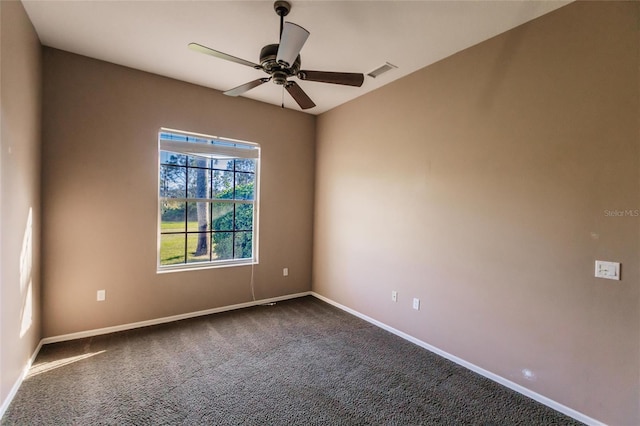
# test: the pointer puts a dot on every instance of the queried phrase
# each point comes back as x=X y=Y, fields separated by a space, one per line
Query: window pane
x=198 y=217
x=198 y=247
x=197 y=161
x=222 y=184
x=221 y=164
x=198 y=183
x=244 y=186
x=172 y=181
x=244 y=217
x=246 y=165
x=171 y=249
x=167 y=157
x=222 y=246
x=172 y=214
x=243 y=245
x=222 y=216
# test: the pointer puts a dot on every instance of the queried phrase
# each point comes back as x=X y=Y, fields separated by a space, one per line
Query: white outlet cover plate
x=608 y=270
x=416 y=303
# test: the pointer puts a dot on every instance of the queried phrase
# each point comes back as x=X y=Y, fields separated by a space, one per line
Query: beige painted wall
x=100 y=125
x=480 y=185
x=20 y=89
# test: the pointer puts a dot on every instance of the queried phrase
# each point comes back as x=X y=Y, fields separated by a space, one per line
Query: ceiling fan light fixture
x=381 y=70
x=291 y=42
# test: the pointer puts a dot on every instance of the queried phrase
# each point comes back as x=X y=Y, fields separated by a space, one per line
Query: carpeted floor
x=300 y=362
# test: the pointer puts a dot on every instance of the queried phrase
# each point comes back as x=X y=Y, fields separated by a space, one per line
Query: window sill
x=201 y=266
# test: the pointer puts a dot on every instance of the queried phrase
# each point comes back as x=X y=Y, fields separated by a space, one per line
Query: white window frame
x=217 y=147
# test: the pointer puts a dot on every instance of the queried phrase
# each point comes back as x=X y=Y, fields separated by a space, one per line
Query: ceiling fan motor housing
x=270 y=65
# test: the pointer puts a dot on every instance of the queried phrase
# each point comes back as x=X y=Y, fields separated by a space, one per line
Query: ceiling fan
x=282 y=61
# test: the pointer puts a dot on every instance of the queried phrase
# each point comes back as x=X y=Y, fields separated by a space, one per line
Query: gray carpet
x=300 y=362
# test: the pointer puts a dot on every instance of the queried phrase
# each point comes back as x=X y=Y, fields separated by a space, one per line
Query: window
x=207 y=201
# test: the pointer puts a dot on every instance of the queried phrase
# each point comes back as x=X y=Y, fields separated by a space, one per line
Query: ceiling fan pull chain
x=282 y=96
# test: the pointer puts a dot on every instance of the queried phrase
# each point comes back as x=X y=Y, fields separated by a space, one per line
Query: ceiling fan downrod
x=282 y=8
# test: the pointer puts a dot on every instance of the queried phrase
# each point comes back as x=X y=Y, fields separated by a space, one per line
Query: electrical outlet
x=285 y=272
x=102 y=295
x=416 y=303
x=394 y=296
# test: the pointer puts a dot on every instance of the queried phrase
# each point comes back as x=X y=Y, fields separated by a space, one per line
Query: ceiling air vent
x=381 y=70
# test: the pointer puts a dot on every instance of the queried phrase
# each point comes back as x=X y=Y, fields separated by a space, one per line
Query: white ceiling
x=350 y=36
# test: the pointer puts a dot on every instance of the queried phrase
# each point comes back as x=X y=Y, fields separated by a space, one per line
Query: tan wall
x=20 y=89
x=480 y=185
x=100 y=126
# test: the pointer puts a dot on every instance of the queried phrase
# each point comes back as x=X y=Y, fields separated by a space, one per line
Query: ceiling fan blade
x=291 y=42
x=299 y=96
x=208 y=51
x=345 y=78
x=237 y=91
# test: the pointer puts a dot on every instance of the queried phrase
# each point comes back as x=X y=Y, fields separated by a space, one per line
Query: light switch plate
x=608 y=270
x=416 y=303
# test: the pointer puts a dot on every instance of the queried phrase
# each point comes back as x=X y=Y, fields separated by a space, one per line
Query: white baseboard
x=131 y=326
x=489 y=375
x=18 y=383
